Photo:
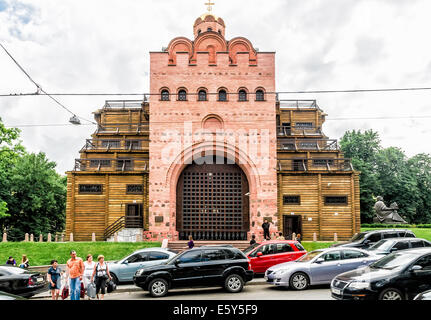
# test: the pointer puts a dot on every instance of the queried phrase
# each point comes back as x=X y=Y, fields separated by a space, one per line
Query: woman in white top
x=88 y=271
x=101 y=275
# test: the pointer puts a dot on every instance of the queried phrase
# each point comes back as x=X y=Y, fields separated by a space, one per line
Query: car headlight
x=359 y=285
x=139 y=272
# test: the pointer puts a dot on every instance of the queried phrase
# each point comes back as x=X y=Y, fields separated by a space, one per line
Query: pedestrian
x=11 y=261
x=253 y=240
x=24 y=262
x=101 y=271
x=89 y=265
x=191 y=243
x=298 y=237
x=75 y=270
x=265 y=227
x=54 y=279
x=280 y=236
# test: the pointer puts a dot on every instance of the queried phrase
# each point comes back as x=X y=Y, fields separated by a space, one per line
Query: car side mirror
x=259 y=254
x=367 y=241
x=320 y=260
x=176 y=263
x=126 y=262
x=416 y=268
x=394 y=249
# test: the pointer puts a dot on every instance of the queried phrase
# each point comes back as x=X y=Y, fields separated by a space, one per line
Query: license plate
x=336 y=291
x=39 y=279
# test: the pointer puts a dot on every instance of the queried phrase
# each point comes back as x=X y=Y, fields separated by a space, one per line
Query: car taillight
x=249 y=264
x=30 y=282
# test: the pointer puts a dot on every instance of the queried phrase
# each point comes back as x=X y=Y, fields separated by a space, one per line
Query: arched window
x=202 y=95
x=242 y=95
x=199 y=31
x=222 y=95
x=260 y=95
x=210 y=29
x=165 y=95
x=182 y=95
x=219 y=31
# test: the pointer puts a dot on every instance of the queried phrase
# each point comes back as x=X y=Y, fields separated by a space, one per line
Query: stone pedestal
x=26 y=236
x=32 y=238
x=48 y=238
x=56 y=238
x=40 y=238
x=335 y=237
x=93 y=237
x=115 y=237
x=4 y=237
x=314 y=237
x=62 y=238
x=71 y=237
x=293 y=236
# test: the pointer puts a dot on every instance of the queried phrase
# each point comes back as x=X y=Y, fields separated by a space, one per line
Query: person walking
x=265 y=227
x=75 y=270
x=280 y=236
x=11 y=261
x=54 y=279
x=89 y=265
x=298 y=238
x=253 y=240
x=101 y=271
x=191 y=243
x=24 y=262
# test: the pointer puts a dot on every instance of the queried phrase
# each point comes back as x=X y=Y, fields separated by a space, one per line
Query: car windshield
x=171 y=259
x=309 y=256
x=393 y=261
x=382 y=245
x=358 y=236
x=251 y=248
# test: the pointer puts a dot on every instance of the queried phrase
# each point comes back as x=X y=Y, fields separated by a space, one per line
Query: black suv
x=366 y=239
x=204 y=266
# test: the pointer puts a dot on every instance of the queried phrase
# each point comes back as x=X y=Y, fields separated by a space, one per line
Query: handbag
x=65 y=293
x=91 y=290
x=82 y=291
x=111 y=286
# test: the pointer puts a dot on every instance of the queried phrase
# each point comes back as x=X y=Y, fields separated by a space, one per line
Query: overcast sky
x=103 y=46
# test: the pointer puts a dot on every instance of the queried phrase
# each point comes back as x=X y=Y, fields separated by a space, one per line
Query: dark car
x=366 y=239
x=397 y=276
x=199 y=267
x=21 y=282
x=387 y=246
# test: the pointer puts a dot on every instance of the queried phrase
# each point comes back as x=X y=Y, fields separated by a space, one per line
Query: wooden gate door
x=212 y=203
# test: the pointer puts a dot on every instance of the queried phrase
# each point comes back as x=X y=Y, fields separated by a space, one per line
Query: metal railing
x=115 y=144
x=315 y=164
x=298 y=104
x=307 y=144
x=121 y=128
x=122 y=223
x=287 y=131
x=124 y=104
x=112 y=164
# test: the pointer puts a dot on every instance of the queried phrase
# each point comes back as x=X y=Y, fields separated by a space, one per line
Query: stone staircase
x=180 y=246
x=127 y=235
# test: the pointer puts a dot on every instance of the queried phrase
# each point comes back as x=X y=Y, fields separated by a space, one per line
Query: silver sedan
x=318 y=267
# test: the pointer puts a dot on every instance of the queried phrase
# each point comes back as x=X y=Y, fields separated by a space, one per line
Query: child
x=54 y=279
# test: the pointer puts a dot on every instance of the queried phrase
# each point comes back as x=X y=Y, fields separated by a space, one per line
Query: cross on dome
x=209 y=4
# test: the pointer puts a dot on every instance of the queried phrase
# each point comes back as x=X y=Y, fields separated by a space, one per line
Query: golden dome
x=209 y=17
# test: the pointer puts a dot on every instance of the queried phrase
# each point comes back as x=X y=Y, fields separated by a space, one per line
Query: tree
x=420 y=167
x=363 y=149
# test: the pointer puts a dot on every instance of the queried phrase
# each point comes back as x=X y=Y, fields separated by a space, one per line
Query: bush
x=382 y=226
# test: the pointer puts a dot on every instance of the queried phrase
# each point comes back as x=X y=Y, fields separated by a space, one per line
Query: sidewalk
x=133 y=288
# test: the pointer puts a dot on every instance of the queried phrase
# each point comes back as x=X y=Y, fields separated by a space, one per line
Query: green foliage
x=32 y=194
x=424 y=233
x=389 y=173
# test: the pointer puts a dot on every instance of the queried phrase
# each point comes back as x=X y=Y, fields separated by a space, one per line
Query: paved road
x=251 y=292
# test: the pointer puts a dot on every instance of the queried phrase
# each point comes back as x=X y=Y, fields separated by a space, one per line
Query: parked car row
x=20 y=282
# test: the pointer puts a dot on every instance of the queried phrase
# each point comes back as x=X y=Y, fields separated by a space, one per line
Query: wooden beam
x=319 y=204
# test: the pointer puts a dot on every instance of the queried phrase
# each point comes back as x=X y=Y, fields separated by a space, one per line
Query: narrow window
x=304 y=125
x=124 y=165
x=222 y=95
x=287 y=199
x=260 y=95
x=242 y=95
x=90 y=188
x=210 y=29
x=165 y=95
x=135 y=189
x=336 y=200
x=182 y=95
x=202 y=96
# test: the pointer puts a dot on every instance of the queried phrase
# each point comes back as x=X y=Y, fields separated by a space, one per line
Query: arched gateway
x=213 y=201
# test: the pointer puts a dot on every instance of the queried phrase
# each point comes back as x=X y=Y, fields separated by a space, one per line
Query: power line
x=39 y=88
x=231 y=93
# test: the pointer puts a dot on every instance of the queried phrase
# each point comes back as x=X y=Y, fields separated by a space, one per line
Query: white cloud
x=95 y=46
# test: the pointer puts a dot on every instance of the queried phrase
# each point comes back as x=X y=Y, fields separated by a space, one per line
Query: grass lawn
x=310 y=246
x=43 y=253
x=424 y=233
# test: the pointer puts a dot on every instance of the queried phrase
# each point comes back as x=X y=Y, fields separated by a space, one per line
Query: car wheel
x=158 y=288
x=391 y=294
x=234 y=283
x=299 y=281
x=114 y=278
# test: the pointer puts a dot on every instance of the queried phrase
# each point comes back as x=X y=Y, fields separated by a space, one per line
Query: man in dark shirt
x=253 y=240
x=11 y=261
x=265 y=227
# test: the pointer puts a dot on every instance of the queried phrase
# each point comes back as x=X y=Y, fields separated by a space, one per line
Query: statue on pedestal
x=387 y=215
